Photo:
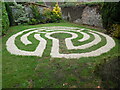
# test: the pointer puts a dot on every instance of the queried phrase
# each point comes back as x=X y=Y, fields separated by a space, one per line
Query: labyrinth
x=81 y=35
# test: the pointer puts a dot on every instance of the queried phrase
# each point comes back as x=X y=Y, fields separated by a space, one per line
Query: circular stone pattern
x=48 y=31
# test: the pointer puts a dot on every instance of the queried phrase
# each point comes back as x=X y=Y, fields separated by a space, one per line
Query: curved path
x=13 y=49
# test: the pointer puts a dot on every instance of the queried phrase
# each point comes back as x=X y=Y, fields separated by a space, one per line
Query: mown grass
x=38 y=72
x=63 y=48
x=0 y=63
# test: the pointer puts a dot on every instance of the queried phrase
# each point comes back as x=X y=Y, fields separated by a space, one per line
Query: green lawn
x=0 y=63
x=43 y=72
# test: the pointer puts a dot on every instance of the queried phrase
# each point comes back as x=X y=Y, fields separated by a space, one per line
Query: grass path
x=38 y=72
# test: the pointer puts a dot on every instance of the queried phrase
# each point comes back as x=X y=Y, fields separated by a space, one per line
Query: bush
x=22 y=20
x=54 y=15
x=37 y=14
x=19 y=17
x=116 y=31
x=110 y=14
x=33 y=21
x=5 y=20
x=48 y=15
x=19 y=11
x=9 y=11
x=57 y=15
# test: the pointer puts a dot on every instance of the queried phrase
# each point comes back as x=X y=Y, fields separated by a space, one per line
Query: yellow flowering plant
x=57 y=12
x=52 y=15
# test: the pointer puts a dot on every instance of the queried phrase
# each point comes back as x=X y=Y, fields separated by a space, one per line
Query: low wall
x=83 y=14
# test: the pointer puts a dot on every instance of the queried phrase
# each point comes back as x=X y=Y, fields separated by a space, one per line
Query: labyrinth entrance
x=55 y=48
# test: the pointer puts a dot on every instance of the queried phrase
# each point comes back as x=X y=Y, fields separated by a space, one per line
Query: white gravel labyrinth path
x=13 y=49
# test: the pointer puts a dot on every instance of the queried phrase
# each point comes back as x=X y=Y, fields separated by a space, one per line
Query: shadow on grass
x=109 y=72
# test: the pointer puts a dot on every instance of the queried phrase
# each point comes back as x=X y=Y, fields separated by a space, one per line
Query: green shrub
x=33 y=21
x=57 y=15
x=37 y=14
x=22 y=20
x=48 y=15
x=110 y=13
x=9 y=11
x=116 y=31
x=5 y=20
x=20 y=17
x=54 y=15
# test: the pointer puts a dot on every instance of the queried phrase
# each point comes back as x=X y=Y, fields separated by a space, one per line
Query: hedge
x=9 y=11
x=5 y=20
x=110 y=14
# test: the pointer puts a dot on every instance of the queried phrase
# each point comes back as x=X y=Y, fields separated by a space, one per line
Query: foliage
x=54 y=15
x=57 y=15
x=116 y=30
x=48 y=14
x=5 y=20
x=22 y=20
x=9 y=11
x=33 y=21
x=19 y=6
x=37 y=14
x=41 y=3
x=110 y=13
x=20 y=17
x=74 y=4
x=69 y=4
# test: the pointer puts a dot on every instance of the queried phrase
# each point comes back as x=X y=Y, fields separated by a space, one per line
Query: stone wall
x=29 y=11
x=83 y=14
x=23 y=11
x=16 y=12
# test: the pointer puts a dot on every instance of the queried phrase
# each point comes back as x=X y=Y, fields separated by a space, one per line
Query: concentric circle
x=55 y=48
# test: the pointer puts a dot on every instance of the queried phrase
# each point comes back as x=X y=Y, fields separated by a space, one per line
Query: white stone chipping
x=85 y=37
x=70 y=45
x=24 y=38
x=13 y=49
